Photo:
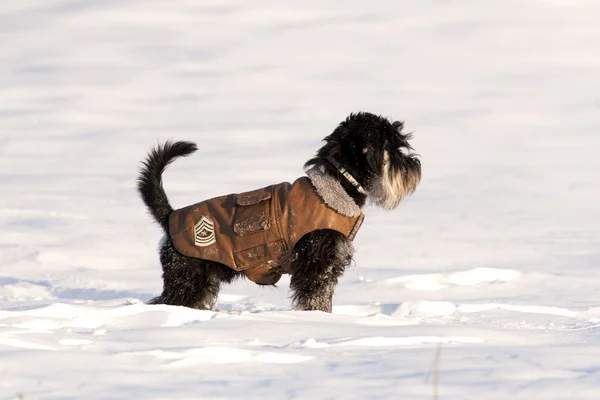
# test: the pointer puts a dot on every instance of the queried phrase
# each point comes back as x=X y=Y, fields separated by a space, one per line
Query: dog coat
x=255 y=231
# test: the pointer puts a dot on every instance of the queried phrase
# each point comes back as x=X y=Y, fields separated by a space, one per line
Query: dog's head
x=377 y=154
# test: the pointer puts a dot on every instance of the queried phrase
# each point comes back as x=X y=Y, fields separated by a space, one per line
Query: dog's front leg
x=320 y=258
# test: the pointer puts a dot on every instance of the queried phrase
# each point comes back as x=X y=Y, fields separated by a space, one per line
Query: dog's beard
x=395 y=183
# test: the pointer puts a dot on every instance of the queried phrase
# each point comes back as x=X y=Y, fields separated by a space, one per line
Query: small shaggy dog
x=304 y=228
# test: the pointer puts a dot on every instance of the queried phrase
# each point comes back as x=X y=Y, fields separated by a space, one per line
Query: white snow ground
x=493 y=263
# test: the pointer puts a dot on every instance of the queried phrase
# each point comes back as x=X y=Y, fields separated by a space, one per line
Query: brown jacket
x=254 y=232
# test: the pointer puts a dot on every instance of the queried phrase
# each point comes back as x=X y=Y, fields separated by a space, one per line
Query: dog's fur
x=371 y=148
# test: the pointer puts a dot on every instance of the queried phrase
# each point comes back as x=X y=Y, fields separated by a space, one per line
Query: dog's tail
x=150 y=179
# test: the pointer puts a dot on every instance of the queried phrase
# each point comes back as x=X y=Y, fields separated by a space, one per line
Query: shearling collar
x=332 y=192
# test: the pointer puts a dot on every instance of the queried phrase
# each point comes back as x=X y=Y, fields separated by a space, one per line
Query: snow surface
x=491 y=268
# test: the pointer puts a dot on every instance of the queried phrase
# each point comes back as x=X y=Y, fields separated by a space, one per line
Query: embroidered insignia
x=204 y=232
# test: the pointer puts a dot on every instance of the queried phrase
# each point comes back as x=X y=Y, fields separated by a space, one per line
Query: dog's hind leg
x=191 y=282
x=320 y=258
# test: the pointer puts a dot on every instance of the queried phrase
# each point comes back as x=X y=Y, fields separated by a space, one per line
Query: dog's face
x=377 y=153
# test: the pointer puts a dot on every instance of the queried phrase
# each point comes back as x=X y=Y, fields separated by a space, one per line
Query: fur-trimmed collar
x=332 y=193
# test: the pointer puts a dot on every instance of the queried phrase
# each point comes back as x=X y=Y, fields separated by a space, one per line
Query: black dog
x=366 y=157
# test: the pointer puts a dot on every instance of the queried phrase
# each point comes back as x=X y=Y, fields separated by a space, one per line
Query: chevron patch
x=204 y=232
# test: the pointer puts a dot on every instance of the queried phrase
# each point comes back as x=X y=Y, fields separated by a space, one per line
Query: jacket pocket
x=252 y=212
x=266 y=255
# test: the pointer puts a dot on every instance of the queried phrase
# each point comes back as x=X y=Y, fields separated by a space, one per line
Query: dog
x=304 y=229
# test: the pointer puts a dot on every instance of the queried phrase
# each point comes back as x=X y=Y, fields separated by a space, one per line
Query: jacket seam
x=275 y=208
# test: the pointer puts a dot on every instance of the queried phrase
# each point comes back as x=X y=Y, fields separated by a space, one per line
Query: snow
x=487 y=276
